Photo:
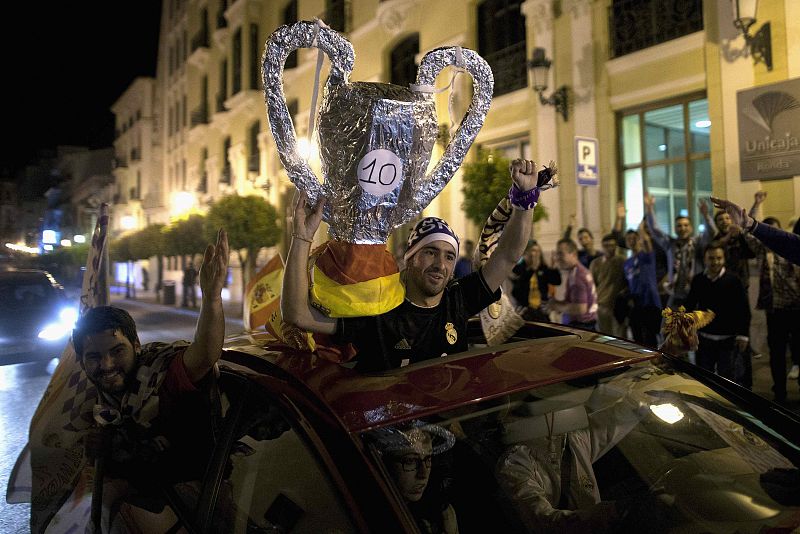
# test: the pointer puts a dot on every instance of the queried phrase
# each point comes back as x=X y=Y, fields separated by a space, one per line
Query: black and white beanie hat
x=428 y=230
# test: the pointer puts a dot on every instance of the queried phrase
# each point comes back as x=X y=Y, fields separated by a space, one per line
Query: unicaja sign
x=769 y=131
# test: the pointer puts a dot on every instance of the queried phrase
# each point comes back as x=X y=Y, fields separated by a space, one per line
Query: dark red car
x=558 y=430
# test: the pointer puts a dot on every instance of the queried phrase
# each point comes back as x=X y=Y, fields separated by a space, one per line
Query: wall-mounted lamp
x=540 y=68
x=760 y=44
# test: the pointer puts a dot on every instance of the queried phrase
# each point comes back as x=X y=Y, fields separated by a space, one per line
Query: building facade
x=655 y=83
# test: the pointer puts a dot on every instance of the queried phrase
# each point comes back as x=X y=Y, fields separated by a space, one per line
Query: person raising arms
x=432 y=320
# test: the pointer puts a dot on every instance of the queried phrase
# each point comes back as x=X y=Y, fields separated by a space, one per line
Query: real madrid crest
x=450 y=333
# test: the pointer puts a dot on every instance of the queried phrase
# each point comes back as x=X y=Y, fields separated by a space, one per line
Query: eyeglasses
x=414 y=463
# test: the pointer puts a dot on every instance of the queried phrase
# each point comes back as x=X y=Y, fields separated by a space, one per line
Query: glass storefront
x=665 y=150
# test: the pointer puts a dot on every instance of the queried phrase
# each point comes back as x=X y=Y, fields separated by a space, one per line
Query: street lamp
x=760 y=44
x=539 y=66
x=182 y=203
x=128 y=222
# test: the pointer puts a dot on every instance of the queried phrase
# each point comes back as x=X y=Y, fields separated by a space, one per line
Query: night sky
x=65 y=64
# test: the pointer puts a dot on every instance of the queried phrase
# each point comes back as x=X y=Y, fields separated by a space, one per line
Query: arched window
x=290 y=17
x=403 y=61
x=253 y=156
x=335 y=15
x=501 y=42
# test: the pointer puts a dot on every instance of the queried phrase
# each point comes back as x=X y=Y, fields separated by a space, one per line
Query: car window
x=272 y=482
x=644 y=449
x=26 y=295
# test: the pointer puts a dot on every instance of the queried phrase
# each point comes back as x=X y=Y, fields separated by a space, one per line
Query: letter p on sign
x=586 y=169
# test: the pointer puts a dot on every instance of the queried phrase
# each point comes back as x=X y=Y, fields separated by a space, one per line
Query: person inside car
x=154 y=404
x=552 y=443
x=407 y=452
x=432 y=320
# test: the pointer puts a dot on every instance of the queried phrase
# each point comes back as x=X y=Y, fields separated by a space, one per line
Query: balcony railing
x=200 y=116
x=639 y=24
x=200 y=39
x=254 y=163
x=120 y=163
x=136 y=154
x=202 y=185
x=225 y=177
x=221 y=104
x=509 y=67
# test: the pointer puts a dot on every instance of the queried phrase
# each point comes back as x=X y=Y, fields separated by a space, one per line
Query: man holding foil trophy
x=375 y=143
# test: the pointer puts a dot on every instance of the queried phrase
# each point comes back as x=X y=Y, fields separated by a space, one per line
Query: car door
x=265 y=475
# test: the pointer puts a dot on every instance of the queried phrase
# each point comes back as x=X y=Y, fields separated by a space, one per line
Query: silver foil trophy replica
x=375 y=139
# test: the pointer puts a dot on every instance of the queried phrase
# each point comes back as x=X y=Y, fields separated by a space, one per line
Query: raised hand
x=703 y=207
x=306 y=218
x=760 y=197
x=738 y=214
x=214 y=269
x=649 y=201
x=621 y=211
x=523 y=173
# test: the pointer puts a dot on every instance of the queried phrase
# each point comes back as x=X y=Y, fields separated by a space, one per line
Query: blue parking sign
x=586 y=168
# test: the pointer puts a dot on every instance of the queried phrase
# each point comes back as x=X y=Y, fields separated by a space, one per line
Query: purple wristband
x=524 y=200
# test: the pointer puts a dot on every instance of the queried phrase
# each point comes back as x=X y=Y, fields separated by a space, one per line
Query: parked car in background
x=36 y=319
x=646 y=442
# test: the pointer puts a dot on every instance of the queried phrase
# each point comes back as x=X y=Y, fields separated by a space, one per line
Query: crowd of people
x=621 y=289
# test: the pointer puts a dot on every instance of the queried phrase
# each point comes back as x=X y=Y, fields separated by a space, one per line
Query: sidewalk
x=233 y=309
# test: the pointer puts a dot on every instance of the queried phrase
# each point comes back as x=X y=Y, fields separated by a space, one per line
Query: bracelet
x=294 y=235
x=524 y=200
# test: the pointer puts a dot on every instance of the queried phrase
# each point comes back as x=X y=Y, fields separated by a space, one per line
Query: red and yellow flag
x=352 y=280
x=262 y=307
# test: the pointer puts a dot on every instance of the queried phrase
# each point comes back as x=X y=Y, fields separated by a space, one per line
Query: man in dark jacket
x=727 y=335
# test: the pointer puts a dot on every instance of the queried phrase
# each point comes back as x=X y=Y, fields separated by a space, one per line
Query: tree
x=64 y=263
x=186 y=236
x=149 y=242
x=120 y=251
x=486 y=181
x=251 y=223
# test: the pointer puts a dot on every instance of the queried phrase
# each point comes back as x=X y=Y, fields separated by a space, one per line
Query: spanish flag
x=262 y=307
x=352 y=280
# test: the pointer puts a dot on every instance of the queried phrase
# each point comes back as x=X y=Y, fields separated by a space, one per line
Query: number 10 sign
x=380 y=171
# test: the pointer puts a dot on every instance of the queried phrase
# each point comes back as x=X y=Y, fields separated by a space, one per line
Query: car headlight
x=68 y=316
x=54 y=331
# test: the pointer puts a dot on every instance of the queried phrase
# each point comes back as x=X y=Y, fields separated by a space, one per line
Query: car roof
x=28 y=276
x=362 y=401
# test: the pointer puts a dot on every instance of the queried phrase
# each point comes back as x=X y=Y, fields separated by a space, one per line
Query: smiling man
x=154 y=401
x=432 y=320
x=718 y=290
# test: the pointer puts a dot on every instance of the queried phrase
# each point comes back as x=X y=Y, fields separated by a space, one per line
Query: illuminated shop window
x=666 y=150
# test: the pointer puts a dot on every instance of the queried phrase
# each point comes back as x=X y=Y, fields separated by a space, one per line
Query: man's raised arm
x=524 y=195
x=783 y=243
x=206 y=348
x=295 y=306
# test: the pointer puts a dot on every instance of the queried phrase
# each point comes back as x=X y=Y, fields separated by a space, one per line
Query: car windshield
x=643 y=449
x=18 y=295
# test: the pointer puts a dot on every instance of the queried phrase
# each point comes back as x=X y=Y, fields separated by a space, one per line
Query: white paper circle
x=380 y=171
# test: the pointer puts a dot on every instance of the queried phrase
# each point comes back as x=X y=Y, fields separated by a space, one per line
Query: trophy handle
x=282 y=42
x=432 y=64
